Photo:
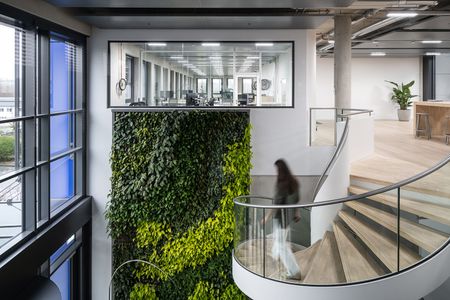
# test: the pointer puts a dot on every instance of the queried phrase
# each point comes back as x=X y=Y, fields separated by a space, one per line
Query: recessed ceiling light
x=433 y=53
x=176 y=57
x=210 y=44
x=402 y=14
x=157 y=44
x=378 y=54
x=263 y=44
x=431 y=42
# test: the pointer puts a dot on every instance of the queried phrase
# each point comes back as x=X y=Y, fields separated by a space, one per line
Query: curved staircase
x=376 y=235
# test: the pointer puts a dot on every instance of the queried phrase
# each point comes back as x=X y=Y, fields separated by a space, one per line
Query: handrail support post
x=398 y=229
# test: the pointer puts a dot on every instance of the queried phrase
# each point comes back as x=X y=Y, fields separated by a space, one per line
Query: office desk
x=437 y=110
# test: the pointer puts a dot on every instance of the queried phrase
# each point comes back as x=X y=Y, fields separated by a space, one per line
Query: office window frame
x=33 y=112
x=155 y=105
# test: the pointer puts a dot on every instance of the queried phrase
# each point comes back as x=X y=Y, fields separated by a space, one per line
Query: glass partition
x=268 y=241
x=181 y=74
x=365 y=237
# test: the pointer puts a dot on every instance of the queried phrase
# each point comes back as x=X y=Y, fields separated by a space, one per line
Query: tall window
x=217 y=87
x=202 y=87
x=41 y=128
x=230 y=83
x=247 y=86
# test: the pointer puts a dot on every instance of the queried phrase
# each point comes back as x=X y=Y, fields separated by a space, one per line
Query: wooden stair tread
x=423 y=236
x=383 y=170
x=305 y=257
x=357 y=263
x=431 y=211
x=383 y=247
x=326 y=266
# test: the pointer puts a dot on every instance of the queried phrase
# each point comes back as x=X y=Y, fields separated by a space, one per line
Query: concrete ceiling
x=219 y=22
x=203 y=14
x=393 y=36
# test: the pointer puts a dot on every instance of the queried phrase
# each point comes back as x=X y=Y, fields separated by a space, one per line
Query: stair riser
x=413 y=195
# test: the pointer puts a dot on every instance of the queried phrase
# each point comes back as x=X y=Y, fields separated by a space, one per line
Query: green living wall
x=174 y=177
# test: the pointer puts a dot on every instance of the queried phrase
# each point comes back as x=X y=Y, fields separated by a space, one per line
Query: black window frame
x=35 y=244
x=231 y=107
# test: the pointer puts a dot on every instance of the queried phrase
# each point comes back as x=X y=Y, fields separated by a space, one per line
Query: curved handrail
x=348 y=198
x=340 y=146
x=332 y=160
x=255 y=236
x=434 y=248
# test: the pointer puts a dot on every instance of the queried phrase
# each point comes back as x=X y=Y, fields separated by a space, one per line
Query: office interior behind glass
x=201 y=74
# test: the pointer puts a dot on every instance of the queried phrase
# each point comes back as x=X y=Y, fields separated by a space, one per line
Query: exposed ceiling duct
x=376 y=19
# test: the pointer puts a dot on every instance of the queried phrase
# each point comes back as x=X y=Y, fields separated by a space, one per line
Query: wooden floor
x=399 y=155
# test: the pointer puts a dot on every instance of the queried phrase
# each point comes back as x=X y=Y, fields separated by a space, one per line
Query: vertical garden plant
x=174 y=177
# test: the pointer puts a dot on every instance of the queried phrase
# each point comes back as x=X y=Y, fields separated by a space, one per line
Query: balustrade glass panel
x=425 y=211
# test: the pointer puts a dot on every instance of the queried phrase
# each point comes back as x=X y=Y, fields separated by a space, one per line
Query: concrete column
x=342 y=61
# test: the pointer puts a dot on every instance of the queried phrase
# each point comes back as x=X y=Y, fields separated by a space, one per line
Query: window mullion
x=44 y=127
x=29 y=131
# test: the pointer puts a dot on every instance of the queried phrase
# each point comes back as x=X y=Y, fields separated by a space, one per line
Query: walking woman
x=286 y=192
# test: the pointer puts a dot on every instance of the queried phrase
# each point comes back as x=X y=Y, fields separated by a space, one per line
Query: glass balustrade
x=365 y=236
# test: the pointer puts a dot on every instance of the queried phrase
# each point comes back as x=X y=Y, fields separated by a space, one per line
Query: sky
x=6 y=52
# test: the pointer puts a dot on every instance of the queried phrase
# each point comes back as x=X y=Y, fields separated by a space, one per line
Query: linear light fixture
x=210 y=44
x=431 y=42
x=330 y=41
x=401 y=14
x=183 y=61
x=378 y=54
x=252 y=57
x=263 y=44
x=176 y=57
x=157 y=44
x=432 y=53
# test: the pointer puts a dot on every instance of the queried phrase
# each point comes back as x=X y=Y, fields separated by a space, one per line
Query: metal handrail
x=348 y=198
x=333 y=159
x=343 y=140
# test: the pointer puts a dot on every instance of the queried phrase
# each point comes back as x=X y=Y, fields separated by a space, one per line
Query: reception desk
x=437 y=110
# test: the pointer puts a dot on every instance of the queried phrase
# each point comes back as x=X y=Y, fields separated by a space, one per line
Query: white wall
x=369 y=89
x=277 y=133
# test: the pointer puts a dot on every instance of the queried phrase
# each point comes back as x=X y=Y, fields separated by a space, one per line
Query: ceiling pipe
x=390 y=4
x=422 y=12
x=383 y=23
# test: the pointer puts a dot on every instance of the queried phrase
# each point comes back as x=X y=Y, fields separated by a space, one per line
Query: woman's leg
x=277 y=239
x=286 y=255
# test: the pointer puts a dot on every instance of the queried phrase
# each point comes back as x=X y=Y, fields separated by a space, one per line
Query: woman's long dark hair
x=285 y=180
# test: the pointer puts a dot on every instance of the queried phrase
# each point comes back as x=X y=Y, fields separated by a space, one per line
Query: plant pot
x=404 y=115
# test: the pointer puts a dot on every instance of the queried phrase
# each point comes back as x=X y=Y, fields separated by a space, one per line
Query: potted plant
x=401 y=94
